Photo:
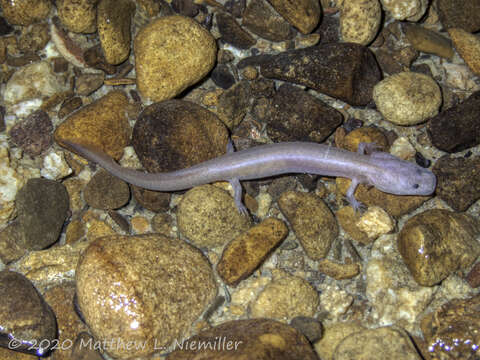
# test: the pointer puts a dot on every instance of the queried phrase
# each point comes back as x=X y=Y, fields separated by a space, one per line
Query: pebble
x=42 y=207
x=232 y=33
x=113 y=24
x=34 y=81
x=265 y=22
x=236 y=7
x=381 y=343
x=360 y=20
x=468 y=47
x=69 y=106
x=11 y=242
x=407 y=98
x=334 y=333
x=312 y=221
x=345 y=71
x=82 y=352
x=222 y=76
x=247 y=252
x=338 y=271
x=303 y=14
x=24 y=315
x=295 y=115
x=172 y=53
x=54 y=166
x=285 y=297
x=411 y=10
x=473 y=277
x=375 y=222
x=465 y=15
x=102 y=123
x=153 y=290
x=34 y=134
x=105 y=191
x=234 y=103
x=33 y=38
x=78 y=15
x=5 y=27
x=436 y=243
x=247 y=339
x=152 y=200
x=25 y=12
x=208 y=217
x=347 y=219
x=176 y=134
x=456 y=129
x=458 y=181
x=428 y=41
x=453 y=330
x=311 y=328
x=86 y=84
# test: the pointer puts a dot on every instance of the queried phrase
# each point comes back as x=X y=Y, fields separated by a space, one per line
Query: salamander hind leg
x=356 y=205
x=237 y=189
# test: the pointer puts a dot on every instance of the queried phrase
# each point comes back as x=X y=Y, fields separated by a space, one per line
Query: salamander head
x=400 y=177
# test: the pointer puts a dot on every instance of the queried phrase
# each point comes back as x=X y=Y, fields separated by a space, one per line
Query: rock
x=24 y=316
x=265 y=22
x=61 y=300
x=208 y=217
x=311 y=328
x=152 y=200
x=452 y=330
x=236 y=7
x=375 y=222
x=185 y=7
x=34 y=134
x=329 y=29
x=303 y=14
x=222 y=76
x=42 y=207
x=25 y=12
x=338 y=271
x=295 y=115
x=428 y=41
x=473 y=277
x=82 y=352
x=105 y=191
x=54 y=166
x=247 y=252
x=113 y=23
x=457 y=181
x=33 y=38
x=34 y=81
x=78 y=15
x=436 y=243
x=69 y=106
x=284 y=298
x=456 y=129
x=407 y=98
x=234 y=103
x=360 y=21
x=333 y=335
x=468 y=46
x=172 y=53
x=348 y=220
x=465 y=15
x=250 y=339
x=232 y=33
x=344 y=71
x=311 y=220
x=176 y=134
x=86 y=84
x=101 y=124
x=5 y=27
x=411 y=10
x=380 y=343
x=11 y=243
x=142 y=288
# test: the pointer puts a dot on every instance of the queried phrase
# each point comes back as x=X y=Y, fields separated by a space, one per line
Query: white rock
x=402 y=148
x=54 y=166
x=411 y=10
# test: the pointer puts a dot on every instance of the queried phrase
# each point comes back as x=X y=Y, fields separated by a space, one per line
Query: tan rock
x=338 y=271
x=360 y=20
x=347 y=218
x=102 y=124
x=172 y=53
x=25 y=12
x=468 y=46
x=78 y=15
x=375 y=222
x=144 y=289
x=303 y=14
x=428 y=41
x=244 y=254
x=113 y=22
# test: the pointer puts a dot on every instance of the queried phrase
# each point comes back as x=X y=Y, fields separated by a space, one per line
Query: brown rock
x=34 y=134
x=25 y=12
x=428 y=41
x=144 y=289
x=348 y=218
x=11 y=243
x=234 y=103
x=436 y=243
x=33 y=38
x=78 y=15
x=311 y=220
x=468 y=46
x=250 y=339
x=102 y=124
x=232 y=33
x=82 y=352
x=113 y=23
x=152 y=200
x=303 y=14
x=338 y=271
x=473 y=277
x=465 y=15
x=86 y=84
x=69 y=106
x=245 y=253
x=105 y=191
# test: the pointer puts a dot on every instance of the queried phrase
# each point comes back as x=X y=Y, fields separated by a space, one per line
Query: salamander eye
x=416 y=186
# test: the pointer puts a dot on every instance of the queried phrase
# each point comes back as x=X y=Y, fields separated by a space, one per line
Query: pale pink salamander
x=382 y=170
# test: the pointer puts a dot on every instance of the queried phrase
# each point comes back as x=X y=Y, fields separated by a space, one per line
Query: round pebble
x=360 y=20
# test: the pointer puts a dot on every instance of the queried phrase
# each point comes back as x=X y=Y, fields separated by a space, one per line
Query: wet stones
x=78 y=15
x=25 y=12
x=34 y=134
x=232 y=33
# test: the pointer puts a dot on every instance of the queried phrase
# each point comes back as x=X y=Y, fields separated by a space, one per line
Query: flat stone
x=360 y=21
x=234 y=103
x=172 y=53
x=342 y=70
x=143 y=289
x=468 y=46
x=34 y=134
x=245 y=253
x=25 y=12
x=457 y=129
x=232 y=33
x=303 y=14
x=152 y=200
x=102 y=124
x=436 y=243
x=105 y=191
x=458 y=181
x=113 y=23
x=464 y=15
x=24 y=316
x=338 y=271
x=248 y=339
x=222 y=76
x=411 y=10
x=311 y=220
x=428 y=41
x=78 y=15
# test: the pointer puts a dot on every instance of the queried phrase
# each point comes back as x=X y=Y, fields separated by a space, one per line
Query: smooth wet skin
x=382 y=170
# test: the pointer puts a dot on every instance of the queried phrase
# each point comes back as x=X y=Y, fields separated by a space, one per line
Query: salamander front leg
x=367 y=148
x=357 y=205
x=237 y=189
